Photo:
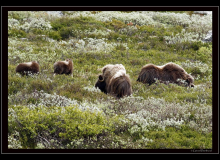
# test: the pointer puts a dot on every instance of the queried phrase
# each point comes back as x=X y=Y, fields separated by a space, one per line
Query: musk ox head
x=28 y=67
x=64 y=67
x=190 y=80
x=101 y=84
x=169 y=72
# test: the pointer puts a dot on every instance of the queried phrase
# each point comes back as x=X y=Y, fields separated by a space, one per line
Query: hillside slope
x=64 y=112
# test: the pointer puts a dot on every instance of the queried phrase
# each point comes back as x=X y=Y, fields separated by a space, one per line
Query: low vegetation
x=65 y=112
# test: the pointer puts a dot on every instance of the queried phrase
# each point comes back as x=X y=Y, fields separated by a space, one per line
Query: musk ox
x=169 y=72
x=114 y=81
x=63 y=67
x=28 y=67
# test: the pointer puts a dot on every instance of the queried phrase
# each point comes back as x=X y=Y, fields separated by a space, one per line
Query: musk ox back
x=114 y=81
x=169 y=72
x=64 y=67
x=28 y=67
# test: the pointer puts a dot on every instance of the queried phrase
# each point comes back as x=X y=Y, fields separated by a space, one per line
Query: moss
x=55 y=35
x=15 y=84
x=17 y=33
x=66 y=32
x=68 y=27
x=116 y=24
x=182 y=138
x=40 y=85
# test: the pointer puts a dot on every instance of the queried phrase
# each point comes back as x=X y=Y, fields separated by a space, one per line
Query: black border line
x=4 y=71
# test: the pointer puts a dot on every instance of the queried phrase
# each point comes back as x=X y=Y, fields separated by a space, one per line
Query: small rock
x=23 y=39
x=108 y=30
x=208 y=37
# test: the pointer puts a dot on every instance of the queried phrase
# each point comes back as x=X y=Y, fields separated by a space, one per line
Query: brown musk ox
x=114 y=81
x=63 y=67
x=28 y=68
x=169 y=72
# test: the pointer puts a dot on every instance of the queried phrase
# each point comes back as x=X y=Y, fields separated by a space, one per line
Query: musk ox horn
x=101 y=78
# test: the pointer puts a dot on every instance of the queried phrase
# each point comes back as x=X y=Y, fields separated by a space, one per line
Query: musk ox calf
x=27 y=68
x=169 y=72
x=114 y=81
x=63 y=67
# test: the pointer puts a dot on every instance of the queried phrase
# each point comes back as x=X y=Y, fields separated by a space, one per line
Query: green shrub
x=55 y=35
x=78 y=124
x=117 y=24
x=204 y=54
x=144 y=46
x=179 y=139
x=69 y=27
x=35 y=84
x=37 y=31
x=66 y=32
x=57 y=24
x=15 y=84
x=17 y=33
x=67 y=124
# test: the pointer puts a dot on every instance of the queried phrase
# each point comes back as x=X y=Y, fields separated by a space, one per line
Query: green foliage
x=17 y=33
x=40 y=85
x=37 y=31
x=116 y=24
x=62 y=22
x=66 y=124
x=179 y=139
x=204 y=54
x=61 y=111
x=66 y=32
x=78 y=124
x=15 y=84
x=55 y=35
x=68 y=27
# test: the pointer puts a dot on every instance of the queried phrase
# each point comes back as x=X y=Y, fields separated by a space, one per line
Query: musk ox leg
x=57 y=70
x=28 y=67
x=23 y=73
x=22 y=70
x=69 y=73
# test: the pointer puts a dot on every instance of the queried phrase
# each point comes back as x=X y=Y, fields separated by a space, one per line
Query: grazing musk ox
x=114 y=81
x=28 y=67
x=169 y=72
x=63 y=67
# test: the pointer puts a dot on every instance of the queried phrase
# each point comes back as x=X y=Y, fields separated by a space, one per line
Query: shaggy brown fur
x=170 y=72
x=120 y=86
x=110 y=70
x=64 y=67
x=114 y=81
x=28 y=67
